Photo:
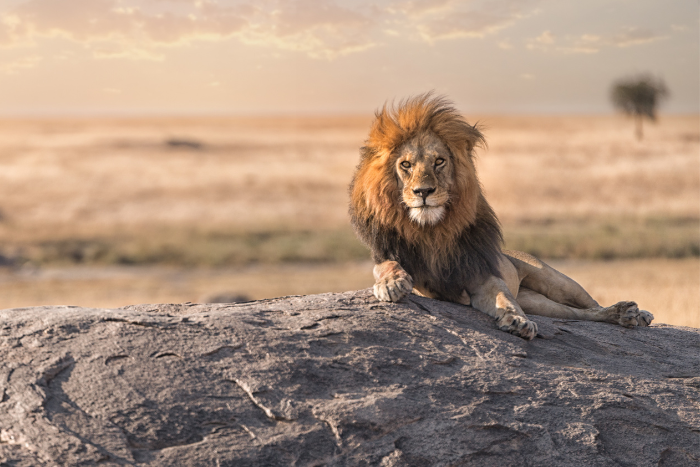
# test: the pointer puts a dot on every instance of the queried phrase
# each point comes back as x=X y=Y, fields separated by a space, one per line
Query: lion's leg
x=544 y=279
x=493 y=298
x=392 y=282
x=622 y=313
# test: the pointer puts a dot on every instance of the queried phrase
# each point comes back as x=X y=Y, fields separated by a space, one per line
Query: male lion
x=417 y=203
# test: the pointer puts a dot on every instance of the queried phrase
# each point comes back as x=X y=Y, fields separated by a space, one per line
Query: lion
x=417 y=203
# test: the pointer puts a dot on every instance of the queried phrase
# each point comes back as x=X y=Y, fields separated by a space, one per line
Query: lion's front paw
x=518 y=325
x=394 y=286
x=629 y=315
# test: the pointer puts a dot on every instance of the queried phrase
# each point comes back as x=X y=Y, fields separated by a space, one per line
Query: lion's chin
x=427 y=214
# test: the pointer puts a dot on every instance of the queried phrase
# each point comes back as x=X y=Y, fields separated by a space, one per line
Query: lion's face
x=425 y=171
x=417 y=178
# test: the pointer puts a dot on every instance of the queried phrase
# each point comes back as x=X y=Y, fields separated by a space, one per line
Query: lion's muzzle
x=427 y=214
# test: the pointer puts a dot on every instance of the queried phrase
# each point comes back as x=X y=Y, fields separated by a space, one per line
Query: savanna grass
x=603 y=239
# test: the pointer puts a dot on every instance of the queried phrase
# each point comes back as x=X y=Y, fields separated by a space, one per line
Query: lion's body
x=417 y=203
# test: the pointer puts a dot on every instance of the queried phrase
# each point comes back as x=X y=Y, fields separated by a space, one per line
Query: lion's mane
x=465 y=244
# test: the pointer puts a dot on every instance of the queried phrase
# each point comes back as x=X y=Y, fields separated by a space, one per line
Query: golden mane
x=375 y=193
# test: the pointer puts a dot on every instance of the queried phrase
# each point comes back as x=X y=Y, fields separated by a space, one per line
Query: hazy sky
x=311 y=56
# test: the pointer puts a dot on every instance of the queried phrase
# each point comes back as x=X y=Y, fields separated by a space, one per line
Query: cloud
x=145 y=29
x=15 y=66
x=119 y=21
x=322 y=29
x=545 y=38
x=505 y=44
x=633 y=36
x=139 y=28
x=449 y=19
x=592 y=43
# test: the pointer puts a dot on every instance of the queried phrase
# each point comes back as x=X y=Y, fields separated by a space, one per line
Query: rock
x=340 y=379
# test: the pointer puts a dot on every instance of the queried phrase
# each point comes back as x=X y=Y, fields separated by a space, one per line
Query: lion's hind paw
x=629 y=315
x=518 y=325
x=393 y=287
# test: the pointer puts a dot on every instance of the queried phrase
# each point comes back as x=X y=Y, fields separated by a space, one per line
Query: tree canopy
x=639 y=96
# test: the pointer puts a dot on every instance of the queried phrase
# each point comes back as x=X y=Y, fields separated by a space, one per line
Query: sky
x=69 y=57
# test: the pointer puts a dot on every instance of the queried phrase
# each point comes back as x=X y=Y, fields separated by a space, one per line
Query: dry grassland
x=94 y=177
x=69 y=178
x=266 y=194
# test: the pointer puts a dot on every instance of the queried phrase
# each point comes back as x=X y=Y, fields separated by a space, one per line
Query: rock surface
x=340 y=379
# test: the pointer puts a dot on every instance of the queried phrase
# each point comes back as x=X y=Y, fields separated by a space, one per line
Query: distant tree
x=639 y=96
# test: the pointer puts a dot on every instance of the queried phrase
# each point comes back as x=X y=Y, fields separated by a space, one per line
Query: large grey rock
x=340 y=379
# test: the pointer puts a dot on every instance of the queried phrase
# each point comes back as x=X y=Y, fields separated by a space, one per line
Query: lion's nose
x=424 y=192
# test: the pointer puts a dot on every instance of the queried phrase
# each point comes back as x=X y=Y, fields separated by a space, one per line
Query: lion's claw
x=393 y=287
x=519 y=326
x=629 y=315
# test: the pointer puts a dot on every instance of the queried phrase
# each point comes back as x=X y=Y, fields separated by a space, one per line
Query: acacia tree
x=639 y=96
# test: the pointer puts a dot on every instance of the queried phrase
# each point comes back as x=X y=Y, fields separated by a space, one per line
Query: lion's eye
x=439 y=161
x=406 y=165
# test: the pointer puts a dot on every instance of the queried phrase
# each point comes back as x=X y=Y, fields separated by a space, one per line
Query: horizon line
x=292 y=114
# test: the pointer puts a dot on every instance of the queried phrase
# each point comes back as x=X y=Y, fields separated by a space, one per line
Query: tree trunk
x=638 y=127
